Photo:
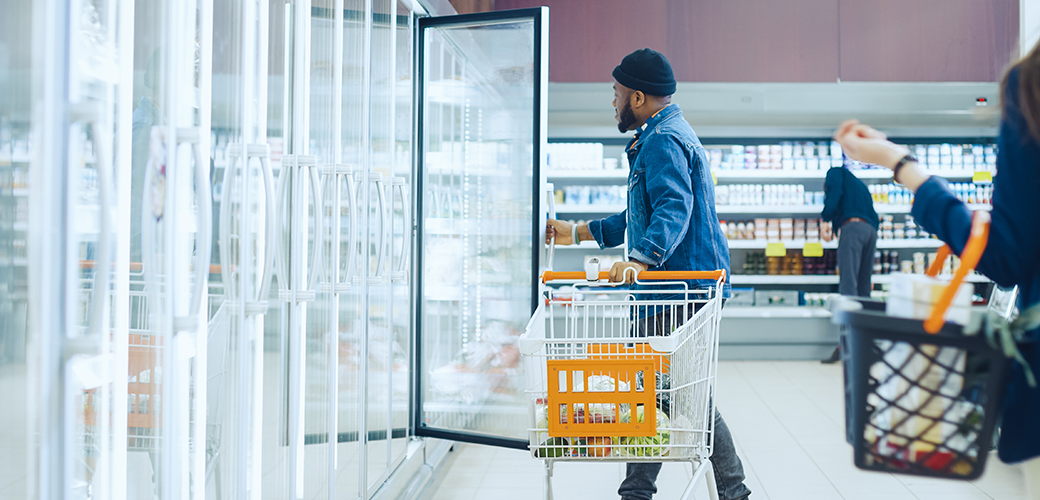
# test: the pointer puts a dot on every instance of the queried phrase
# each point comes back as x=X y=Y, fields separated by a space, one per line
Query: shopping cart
x=144 y=372
x=624 y=373
x=923 y=396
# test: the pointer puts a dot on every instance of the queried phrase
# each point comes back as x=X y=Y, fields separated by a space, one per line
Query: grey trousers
x=856 y=258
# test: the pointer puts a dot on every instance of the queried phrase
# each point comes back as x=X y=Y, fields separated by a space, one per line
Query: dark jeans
x=729 y=471
x=856 y=258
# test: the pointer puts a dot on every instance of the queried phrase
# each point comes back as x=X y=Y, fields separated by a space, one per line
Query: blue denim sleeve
x=671 y=194
x=610 y=232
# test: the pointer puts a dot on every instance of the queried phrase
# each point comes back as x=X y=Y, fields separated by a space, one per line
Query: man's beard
x=626 y=118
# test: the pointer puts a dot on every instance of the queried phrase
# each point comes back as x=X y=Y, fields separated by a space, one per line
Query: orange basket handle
x=969 y=259
x=548 y=276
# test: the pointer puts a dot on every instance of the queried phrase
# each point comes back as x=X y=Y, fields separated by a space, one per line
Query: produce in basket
x=599 y=446
x=650 y=446
x=552 y=448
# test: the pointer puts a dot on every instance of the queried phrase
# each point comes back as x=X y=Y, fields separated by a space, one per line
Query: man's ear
x=638 y=99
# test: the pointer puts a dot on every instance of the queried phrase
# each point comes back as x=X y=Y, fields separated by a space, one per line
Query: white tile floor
x=788 y=422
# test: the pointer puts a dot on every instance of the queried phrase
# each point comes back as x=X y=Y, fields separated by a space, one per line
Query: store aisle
x=787 y=418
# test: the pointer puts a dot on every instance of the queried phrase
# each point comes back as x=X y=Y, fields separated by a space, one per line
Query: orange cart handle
x=548 y=276
x=969 y=259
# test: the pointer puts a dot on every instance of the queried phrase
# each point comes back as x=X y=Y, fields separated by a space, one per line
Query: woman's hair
x=1028 y=90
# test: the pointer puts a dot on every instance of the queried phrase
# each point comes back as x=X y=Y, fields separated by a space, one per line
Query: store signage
x=982 y=176
x=812 y=250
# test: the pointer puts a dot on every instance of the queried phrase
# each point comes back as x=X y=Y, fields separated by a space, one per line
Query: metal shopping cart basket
x=923 y=396
x=624 y=373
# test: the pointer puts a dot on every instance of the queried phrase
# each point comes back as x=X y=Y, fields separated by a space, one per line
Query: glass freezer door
x=481 y=130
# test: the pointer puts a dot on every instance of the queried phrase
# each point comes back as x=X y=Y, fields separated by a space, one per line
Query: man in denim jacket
x=671 y=224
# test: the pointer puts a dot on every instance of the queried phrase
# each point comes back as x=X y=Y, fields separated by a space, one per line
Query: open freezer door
x=481 y=112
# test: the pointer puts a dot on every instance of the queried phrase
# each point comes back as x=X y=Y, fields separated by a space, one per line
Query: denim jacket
x=671 y=219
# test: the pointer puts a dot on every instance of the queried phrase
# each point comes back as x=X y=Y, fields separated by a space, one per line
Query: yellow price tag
x=982 y=177
x=714 y=179
x=812 y=250
x=776 y=250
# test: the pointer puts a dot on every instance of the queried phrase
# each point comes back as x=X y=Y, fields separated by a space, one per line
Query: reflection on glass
x=347 y=304
x=380 y=345
x=400 y=248
x=17 y=444
x=479 y=93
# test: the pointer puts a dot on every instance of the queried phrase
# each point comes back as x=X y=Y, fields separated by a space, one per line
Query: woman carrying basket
x=1012 y=256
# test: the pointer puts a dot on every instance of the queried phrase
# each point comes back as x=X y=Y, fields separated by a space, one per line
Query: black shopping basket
x=922 y=397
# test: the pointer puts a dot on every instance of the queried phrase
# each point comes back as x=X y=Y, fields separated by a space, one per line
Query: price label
x=979 y=177
x=714 y=179
x=776 y=250
x=812 y=250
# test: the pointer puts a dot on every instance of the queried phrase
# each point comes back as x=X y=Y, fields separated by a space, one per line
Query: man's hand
x=626 y=271
x=562 y=231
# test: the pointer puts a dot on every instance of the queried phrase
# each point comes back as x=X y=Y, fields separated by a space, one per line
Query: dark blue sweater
x=844 y=197
x=1012 y=255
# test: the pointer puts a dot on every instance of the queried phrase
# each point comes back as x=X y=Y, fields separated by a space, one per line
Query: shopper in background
x=848 y=205
x=671 y=224
x=1012 y=255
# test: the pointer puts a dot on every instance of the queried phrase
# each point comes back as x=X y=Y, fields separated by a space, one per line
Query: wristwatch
x=902 y=163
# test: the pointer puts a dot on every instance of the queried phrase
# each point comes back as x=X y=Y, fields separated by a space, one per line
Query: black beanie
x=646 y=70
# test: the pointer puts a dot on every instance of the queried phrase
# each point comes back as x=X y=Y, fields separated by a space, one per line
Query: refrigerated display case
x=253 y=260
x=482 y=83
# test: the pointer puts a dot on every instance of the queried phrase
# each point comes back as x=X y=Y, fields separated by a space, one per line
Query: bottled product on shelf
x=766 y=194
x=794 y=263
x=579 y=156
x=888 y=229
x=592 y=195
x=822 y=155
x=782 y=229
x=894 y=194
x=783 y=156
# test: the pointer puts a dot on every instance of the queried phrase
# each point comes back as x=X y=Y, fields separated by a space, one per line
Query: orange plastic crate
x=569 y=413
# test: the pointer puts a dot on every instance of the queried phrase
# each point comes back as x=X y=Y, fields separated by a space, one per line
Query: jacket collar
x=659 y=117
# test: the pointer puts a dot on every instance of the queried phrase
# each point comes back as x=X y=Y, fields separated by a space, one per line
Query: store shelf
x=910 y=243
x=775 y=312
x=20 y=226
x=768 y=209
x=761 y=244
x=798 y=244
x=20 y=192
x=905 y=209
x=615 y=175
x=590 y=209
x=873 y=173
x=765 y=279
x=832 y=279
x=971 y=278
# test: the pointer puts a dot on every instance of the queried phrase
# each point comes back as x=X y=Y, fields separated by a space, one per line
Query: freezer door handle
x=237 y=153
x=303 y=168
x=376 y=178
x=334 y=278
x=90 y=114
x=204 y=224
x=319 y=227
x=550 y=193
x=398 y=274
